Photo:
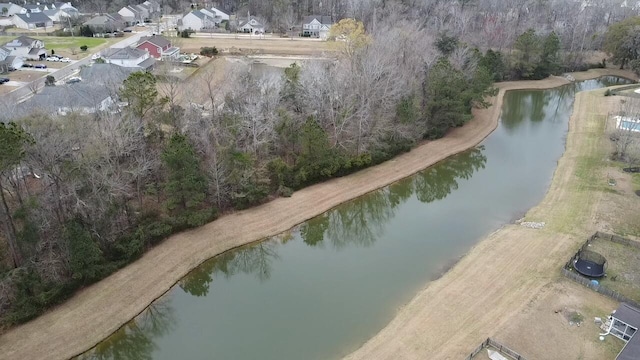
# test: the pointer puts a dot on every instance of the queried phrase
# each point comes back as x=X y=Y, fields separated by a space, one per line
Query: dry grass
x=623 y=267
x=257 y=46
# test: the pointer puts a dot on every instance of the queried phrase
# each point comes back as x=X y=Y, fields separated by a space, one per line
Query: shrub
x=50 y=81
x=208 y=51
x=84 y=47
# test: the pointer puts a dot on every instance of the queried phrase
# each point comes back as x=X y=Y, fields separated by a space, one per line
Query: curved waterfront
x=339 y=278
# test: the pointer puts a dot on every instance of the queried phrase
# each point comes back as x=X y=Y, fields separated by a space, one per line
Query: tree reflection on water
x=357 y=223
x=135 y=339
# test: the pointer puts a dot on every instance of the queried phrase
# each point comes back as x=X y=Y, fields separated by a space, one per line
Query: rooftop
x=156 y=40
x=32 y=18
x=325 y=20
x=123 y=54
x=631 y=316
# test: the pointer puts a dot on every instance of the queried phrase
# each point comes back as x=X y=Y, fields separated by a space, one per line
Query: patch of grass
x=587 y=173
x=623 y=272
x=61 y=42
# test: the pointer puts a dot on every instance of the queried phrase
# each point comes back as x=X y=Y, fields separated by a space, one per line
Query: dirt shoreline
x=99 y=310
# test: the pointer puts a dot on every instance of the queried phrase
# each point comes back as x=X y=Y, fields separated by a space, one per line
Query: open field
x=244 y=45
x=491 y=286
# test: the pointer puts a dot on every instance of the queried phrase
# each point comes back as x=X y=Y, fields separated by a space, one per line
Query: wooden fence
x=496 y=345
x=568 y=271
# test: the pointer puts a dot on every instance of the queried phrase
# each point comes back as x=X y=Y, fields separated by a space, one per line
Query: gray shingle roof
x=105 y=74
x=32 y=18
x=156 y=40
x=199 y=14
x=123 y=54
x=628 y=314
x=324 y=20
x=631 y=316
x=24 y=40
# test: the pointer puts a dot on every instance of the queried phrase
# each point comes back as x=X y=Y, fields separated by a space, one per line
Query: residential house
x=197 y=20
x=11 y=9
x=217 y=15
x=106 y=75
x=159 y=47
x=251 y=25
x=154 y=7
x=131 y=15
x=83 y=97
x=28 y=48
x=8 y=61
x=32 y=21
x=317 y=26
x=624 y=324
x=34 y=8
x=128 y=57
x=106 y=23
x=60 y=11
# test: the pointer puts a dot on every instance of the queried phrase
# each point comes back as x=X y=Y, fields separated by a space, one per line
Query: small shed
x=625 y=323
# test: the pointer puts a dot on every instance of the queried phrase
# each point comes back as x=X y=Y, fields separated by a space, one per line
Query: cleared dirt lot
x=244 y=45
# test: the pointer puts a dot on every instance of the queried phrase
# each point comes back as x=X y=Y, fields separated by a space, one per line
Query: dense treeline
x=83 y=195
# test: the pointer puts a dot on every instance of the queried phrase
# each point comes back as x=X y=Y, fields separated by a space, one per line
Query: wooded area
x=83 y=195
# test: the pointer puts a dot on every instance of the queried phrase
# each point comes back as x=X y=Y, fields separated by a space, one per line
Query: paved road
x=22 y=93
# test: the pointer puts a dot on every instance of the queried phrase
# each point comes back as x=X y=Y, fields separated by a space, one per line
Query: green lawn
x=63 y=43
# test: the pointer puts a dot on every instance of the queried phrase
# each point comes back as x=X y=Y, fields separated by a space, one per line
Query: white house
x=32 y=21
x=217 y=15
x=128 y=57
x=197 y=20
x=316 y=26
x=252 y=26
x=8 y=61
x=131 y=14
x=11 y=9
x=26 y=48
x=154 y=6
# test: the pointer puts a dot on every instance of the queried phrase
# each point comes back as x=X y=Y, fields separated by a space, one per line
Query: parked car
x=53 y=58
x=127 y=30
x=73 y=80
x=11 y=68
x=40 y=66
x=65 y=60
x=27 y=65
x=4 y=80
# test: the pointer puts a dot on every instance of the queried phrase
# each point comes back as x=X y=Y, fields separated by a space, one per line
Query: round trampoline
x=590 y=263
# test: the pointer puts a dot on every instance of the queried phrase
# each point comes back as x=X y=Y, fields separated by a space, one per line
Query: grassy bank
x=510 y=283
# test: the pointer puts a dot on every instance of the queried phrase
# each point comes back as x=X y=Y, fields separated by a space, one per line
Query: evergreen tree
x=527 y=54
x=186 y=186
x=619 y=41
x=140 y=92
x=85 y=257
x=13 y=141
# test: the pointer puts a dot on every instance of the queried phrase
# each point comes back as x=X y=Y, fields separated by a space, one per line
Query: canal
x=324 y=288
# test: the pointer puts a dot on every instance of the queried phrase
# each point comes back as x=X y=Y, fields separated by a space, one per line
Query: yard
x=67 y=46
x=623 y=267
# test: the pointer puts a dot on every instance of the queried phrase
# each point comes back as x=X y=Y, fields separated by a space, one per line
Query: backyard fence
x=568 y=272
x=496 y=345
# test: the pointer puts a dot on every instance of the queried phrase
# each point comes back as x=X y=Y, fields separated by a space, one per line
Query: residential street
x=23 y=92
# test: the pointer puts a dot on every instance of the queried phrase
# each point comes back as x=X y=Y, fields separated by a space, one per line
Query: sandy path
x=498 y=279
x=99 y=310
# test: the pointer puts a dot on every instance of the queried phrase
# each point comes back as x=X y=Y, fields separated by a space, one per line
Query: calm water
x=335 y=281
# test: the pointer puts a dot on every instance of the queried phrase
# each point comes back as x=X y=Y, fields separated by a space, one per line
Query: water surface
x=321 y=290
